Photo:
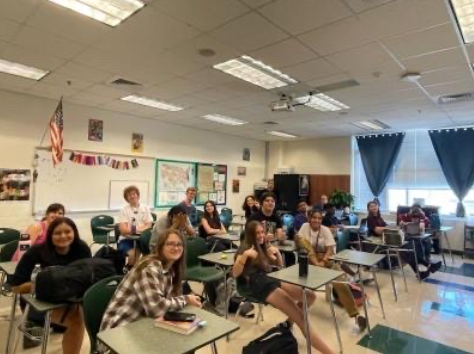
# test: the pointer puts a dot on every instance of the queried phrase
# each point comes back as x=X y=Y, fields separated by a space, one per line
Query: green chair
x=199 y=216
x=145 y=237
x=95 y=302
x=8 y=235
x=342 y=240
x=8 y=250
x=195 y=247
x=100 y=236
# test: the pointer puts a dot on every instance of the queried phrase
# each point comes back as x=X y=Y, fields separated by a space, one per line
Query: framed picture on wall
x=246 y=154
x=241 y=171
x=96 y=130
x=235 y=186
x=304 y=185
x=137 y=142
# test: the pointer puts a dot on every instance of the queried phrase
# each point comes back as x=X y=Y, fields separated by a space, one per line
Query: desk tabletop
x=105 y=228
x=358 y=258
x=288 y=246
x=375 y=240
x=39 y=305
x=142 y=337
x=446 y=228
x=230 y=237
x=317 y=276
x=8 y=267
x=219 y=258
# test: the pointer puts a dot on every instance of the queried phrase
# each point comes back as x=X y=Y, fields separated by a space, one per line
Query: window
x=416 y=177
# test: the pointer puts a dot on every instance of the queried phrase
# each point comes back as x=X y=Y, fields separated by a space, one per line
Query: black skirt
x=257 y=286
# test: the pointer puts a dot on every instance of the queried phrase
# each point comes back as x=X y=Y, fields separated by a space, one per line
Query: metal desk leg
x=365 y=304
x=47 y=324
x=21 y=327
x=442 y=254
x=403 y=270
x=306 y=322
x=391 y=274
x=331 y=304
x=378 y=292
x=11 y=330
x=449 y=246
x=214 y=348
x=416 y=261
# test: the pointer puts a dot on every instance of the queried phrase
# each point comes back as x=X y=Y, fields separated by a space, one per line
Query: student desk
x=142 y=337
x=225 y=261
x=8 y=268
x=444 y=232
x=363 y=259
x=317 y=277
x=229 y=237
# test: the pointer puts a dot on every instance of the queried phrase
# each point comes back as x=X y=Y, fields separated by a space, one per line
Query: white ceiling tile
x=434 y=61
x=172 y=89
x=249 y=32
x=73 y=71
x=17 y=10
x=424 y=41
x=312 y=69
x=30 y=57
x=402 y=16
x=203 y=14
x=256 y=3
x=190 y=101
x=15 y=82
x=445 y=75
x=66 y=81
x=209 y=77
x=89 y=98
x=345 y=34
x=120 y=106
x=328 y=80
x=106 y=91
x=363 y=5
x=304 y=15
x=8 y=29
x=288 y=52
x=51 y=91
x=451 y=88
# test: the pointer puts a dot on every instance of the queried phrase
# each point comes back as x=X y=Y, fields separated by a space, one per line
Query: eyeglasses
x=174 y=244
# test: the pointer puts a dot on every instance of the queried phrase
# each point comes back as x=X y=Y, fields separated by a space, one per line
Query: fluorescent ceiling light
x=255 y=72
x=152 y=103
x=281 y=134
x=27 y=72
x=110 y=12
x=223 y=119
x=464 y=10
x=371 y=125
x=322 y=102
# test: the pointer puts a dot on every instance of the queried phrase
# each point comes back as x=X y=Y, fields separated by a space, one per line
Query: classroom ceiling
x=317 y=42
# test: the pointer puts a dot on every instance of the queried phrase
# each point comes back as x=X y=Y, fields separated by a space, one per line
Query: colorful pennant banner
x=100 y=160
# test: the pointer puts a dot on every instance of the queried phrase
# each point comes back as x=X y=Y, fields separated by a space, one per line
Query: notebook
x=412 y=229
x=178 y=327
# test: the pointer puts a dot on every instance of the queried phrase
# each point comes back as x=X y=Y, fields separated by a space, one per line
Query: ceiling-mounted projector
x=284 y=104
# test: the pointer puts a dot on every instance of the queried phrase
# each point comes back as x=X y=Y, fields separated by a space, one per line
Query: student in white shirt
x=133 y=219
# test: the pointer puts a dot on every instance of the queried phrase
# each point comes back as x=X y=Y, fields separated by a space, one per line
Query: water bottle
x=303 y=263
x=133 y=227
x=34 y=275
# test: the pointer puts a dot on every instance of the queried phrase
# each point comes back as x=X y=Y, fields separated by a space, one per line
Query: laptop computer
x=413 y=229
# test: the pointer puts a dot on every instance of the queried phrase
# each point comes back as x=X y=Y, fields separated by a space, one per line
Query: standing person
x=302 y=215
x=249 y=206
x=62 y=247
x=153 y=287
x=187 y=204
x=176 y=219
x=319 y=242
x=253 y=261
x=37 y=232
x=322 y=202
x=211 y=225
x=133 y=218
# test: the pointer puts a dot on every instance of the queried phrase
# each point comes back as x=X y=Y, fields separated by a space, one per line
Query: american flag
x=56 y=130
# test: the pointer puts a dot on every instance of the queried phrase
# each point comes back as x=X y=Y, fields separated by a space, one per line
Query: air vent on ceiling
x=123 y=82
x=337 y=86
x=459 y=97
x=270 y=123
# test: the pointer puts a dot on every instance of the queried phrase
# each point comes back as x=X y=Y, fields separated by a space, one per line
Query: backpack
x=58 y=284
x=111 y=254
x=274 y=341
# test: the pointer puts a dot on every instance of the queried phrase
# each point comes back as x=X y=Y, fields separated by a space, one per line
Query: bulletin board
x=172 y=178
x=211 y=183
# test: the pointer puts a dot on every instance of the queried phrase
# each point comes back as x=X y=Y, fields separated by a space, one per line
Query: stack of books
x=178 y=327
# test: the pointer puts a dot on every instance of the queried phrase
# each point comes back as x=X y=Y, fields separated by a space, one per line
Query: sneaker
x=362 y=323
x=424 y=275
x=285 y=324
x=36 y=332
x=434 y=267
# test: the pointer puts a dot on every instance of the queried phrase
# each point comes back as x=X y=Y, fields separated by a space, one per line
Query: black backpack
x=60 y=284
x=274 y=341
x=117 y=259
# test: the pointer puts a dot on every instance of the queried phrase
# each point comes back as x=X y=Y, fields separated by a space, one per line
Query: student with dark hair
x=270 y=220
x=330 y=220
x=37 y=232
x=302 y=215
x=188 y=206
x=62 y=247
x=249 y=206
x=253 y=261
x=211 y=225
x=322 y=202
x=153 y=286
x=133 y=218
x=375 y=223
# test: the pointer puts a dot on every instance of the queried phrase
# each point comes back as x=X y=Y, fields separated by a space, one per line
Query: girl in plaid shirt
x=153 y=287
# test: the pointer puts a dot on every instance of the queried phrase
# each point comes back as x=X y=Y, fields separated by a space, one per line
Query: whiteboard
x=116 y=199
x=86 y=188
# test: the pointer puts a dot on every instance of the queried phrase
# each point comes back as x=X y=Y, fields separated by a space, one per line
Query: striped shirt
x=142 y=294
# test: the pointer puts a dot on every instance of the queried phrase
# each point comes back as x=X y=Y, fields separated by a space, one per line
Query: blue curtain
x=378 y=154
x=455 y=151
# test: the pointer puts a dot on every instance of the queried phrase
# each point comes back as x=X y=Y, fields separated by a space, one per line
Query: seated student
x=302 y=215
x=62 y=246
x=211 y=225
x=37 y=231
x=249 y=206
x=253 y=261
x=188 y=206
x=376 y=229
x=330 y=220
x=322 y=202
x=175 y=219
x=318 y=241
x=153 y=286
x=423 y=248
x=132 y=216
x=269 y=218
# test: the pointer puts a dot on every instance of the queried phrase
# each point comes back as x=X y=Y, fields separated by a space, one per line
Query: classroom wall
x=324 y=156
x=23 y=119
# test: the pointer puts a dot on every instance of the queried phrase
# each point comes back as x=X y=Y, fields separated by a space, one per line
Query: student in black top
x=267 y=216
x=249 y=206
x=330 y=220
x=62 y=247
x=375 y=223
x=211 y=225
